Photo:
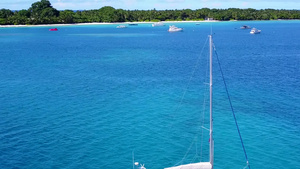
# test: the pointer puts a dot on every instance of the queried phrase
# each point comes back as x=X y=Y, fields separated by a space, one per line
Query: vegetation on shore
x=42 y=12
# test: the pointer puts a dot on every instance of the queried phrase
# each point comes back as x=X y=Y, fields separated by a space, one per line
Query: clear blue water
x=88 y=96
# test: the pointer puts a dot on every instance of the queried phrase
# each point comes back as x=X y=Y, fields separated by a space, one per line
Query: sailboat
x=210 y=163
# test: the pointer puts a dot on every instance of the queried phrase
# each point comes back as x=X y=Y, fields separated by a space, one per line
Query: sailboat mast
x=210 y=164
x=211 y=142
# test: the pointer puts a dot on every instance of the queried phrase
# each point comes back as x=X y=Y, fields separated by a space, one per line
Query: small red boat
x=53 y=29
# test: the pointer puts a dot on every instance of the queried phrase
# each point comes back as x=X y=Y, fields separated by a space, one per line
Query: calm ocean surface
x=89 y=96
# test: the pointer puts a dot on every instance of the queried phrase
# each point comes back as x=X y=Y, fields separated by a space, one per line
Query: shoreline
x=120 y=23
x=101 y=23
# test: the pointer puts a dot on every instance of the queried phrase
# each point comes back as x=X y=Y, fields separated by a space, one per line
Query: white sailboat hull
x=204 y=165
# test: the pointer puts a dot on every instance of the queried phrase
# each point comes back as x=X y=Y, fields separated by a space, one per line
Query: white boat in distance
x=158 y=24
x=121 y=26
x=255 y=31
x=173 y=28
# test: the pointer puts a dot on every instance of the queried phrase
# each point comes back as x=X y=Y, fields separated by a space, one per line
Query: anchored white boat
x=255 y=31
x=158 y=24
x=173 y=28
x=121 y=26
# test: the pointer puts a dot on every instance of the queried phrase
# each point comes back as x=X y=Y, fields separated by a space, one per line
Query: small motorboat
x=121 y=26
x=245 y=27
x=255 y=31
x=53 y=29
x=173 y=28
x=158 y=24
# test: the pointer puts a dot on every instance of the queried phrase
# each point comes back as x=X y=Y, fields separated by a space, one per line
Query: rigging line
x=180 y=162
x=132 y=159
x=206 y=89
x=203 y=116
x=231 y=107
x=193 y=73
x=183 y=95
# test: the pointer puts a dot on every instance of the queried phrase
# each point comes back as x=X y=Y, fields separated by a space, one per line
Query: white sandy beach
x=102 y=23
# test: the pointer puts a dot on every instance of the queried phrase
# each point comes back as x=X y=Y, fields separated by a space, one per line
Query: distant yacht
x=158 y=24
x=255 y=31
x=173 y=28
x=245 y=27
x=121 y=26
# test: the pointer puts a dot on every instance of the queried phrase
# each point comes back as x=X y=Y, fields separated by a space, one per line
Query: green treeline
x=42 y=12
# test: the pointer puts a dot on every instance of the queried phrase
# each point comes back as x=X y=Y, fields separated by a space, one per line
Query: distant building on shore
x=209 y=19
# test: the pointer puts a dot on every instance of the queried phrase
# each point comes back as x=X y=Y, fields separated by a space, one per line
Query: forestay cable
x=231 y=107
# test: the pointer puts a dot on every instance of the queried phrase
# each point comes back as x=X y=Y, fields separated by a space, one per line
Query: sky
x=157 y=4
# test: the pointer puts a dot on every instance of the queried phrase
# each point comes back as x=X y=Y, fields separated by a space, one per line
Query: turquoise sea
x=95 y=97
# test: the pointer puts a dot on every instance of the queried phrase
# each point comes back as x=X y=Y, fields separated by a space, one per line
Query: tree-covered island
x=42 y=12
